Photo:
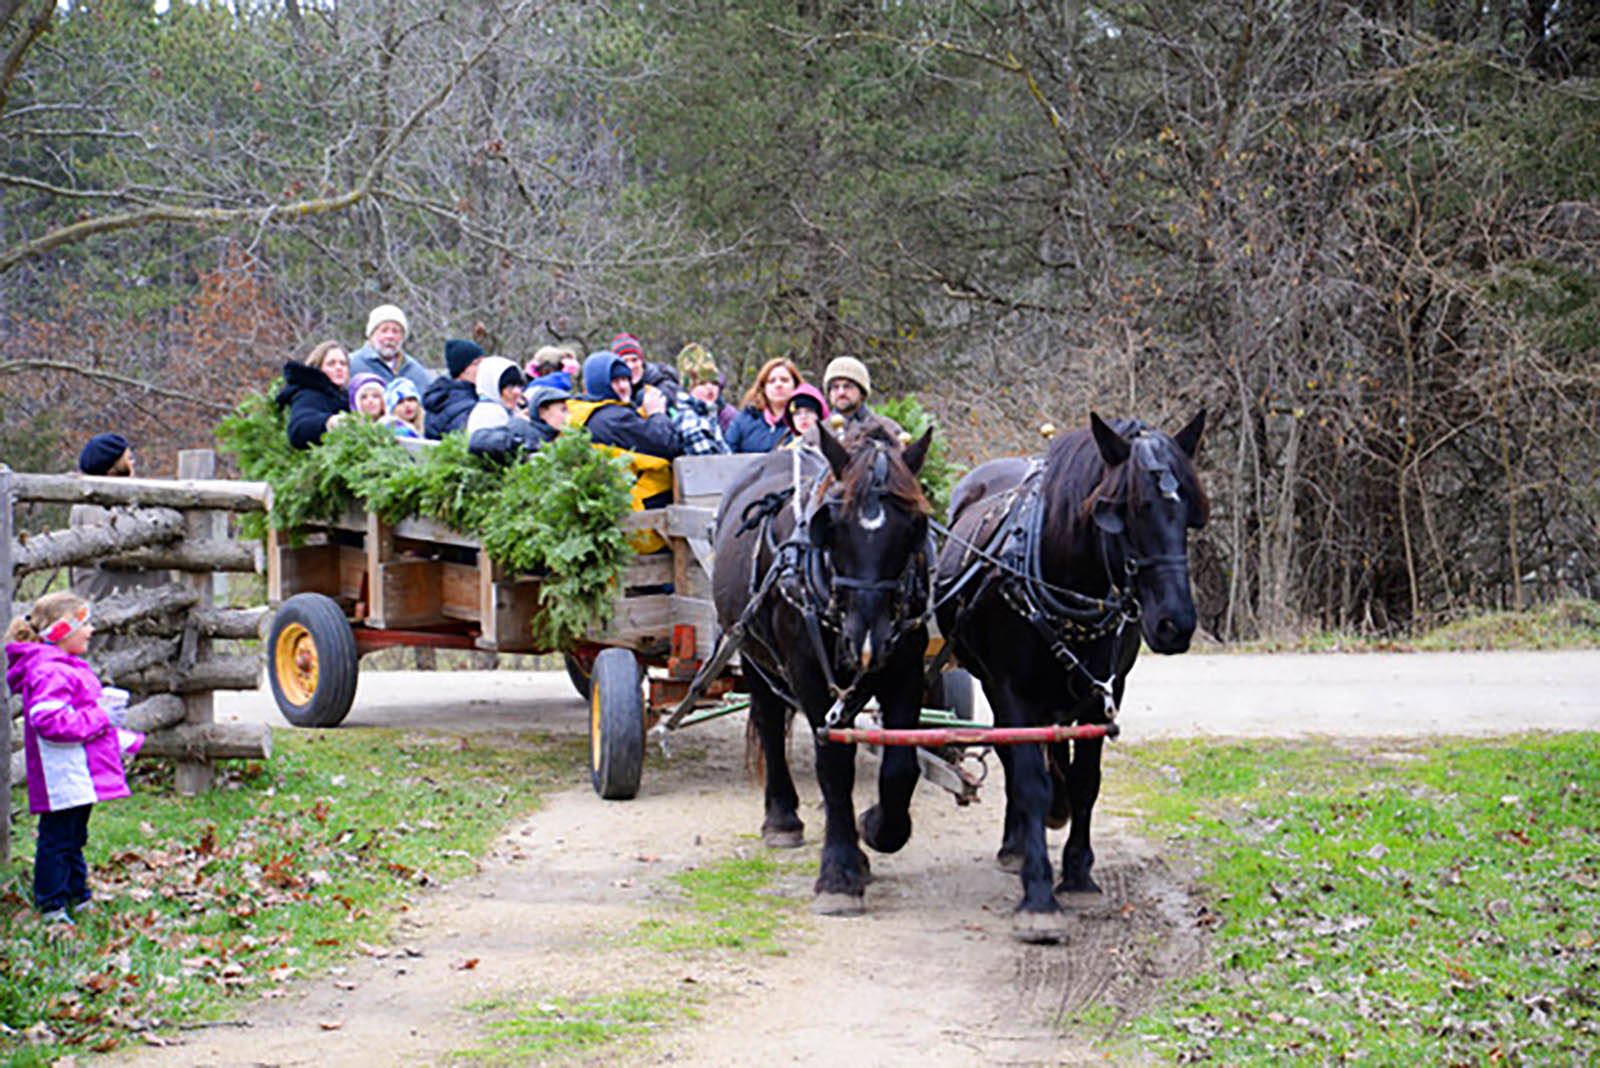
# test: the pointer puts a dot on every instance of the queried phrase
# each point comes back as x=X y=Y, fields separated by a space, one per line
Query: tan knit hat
x=851 y=369
x=387 y=313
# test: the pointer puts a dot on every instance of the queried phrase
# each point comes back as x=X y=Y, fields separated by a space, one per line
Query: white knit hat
x=850 y=369
x=386 y=313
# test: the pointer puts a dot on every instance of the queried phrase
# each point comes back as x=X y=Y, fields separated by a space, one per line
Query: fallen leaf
x=330 y=1025
x=345 y=984
x=466 y=965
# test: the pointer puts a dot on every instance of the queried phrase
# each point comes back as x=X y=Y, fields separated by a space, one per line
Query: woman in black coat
x=314 y=393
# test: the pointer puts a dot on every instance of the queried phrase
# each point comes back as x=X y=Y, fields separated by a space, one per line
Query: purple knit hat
x=360 y=382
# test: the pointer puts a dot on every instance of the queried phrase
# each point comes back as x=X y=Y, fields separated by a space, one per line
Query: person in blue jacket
x=448 y=402
x=606 y=411
x=761 y=427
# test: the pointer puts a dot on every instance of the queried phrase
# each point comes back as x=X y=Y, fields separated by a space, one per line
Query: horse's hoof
x=870 y=827
x=1039 y=928
x=783 y=837
x=831 y=904
x=1008 y=862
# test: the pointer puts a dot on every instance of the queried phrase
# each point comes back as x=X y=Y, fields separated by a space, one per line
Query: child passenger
x=72 y=742
x=404 y=408
x=805 y=410
x=366 y=396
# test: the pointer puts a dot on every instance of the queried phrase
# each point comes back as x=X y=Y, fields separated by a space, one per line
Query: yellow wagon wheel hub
x=294 y=659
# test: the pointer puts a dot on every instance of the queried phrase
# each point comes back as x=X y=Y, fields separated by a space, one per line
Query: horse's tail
x=754 y=766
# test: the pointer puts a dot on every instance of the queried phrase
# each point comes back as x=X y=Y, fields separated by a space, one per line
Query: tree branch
x=19 y=48
x=108 y=379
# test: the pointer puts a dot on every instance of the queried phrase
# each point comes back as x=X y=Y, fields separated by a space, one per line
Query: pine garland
x=559 y=513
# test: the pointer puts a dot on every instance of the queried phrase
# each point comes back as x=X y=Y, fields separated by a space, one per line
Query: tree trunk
x=215 y=673
x=80 y=545
x=123 y=609
x=127 y=662
x=224 y=494
x=231 y=622
x=190 y=556
x=210 y=741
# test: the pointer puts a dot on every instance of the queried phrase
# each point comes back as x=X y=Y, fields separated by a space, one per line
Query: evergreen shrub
x=557 y=514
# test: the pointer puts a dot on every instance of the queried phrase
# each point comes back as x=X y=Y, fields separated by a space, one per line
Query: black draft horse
x=1050 y=562
x=821 y=575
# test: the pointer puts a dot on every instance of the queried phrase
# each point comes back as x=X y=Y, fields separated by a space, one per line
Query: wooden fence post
x=194 y=777
x=5 y=691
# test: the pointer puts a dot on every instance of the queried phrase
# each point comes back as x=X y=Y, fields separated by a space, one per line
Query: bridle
x=804 y=575
x=1009 y=562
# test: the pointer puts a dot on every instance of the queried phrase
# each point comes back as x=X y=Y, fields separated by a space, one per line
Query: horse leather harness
x=1007 y=561
x=803 y=575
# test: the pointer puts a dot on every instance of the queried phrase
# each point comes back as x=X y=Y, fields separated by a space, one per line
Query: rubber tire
x=338 y=664
x=954 y=693
x=616 y=725
x=579 y=677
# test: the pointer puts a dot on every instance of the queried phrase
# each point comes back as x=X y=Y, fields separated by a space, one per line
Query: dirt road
x=930 y=973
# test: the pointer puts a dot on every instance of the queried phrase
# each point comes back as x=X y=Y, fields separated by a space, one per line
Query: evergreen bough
x=559 y=513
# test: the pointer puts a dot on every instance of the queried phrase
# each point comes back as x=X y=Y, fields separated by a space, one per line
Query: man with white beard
x=384 y=353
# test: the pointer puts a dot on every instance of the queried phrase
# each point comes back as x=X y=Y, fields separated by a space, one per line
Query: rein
x=1010 y=561
x=802 y=574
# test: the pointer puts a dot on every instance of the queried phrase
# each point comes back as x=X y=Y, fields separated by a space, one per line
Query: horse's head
x=1144 y=507
x=873 y=522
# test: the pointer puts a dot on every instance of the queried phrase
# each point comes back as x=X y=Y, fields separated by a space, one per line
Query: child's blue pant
x=60 y=877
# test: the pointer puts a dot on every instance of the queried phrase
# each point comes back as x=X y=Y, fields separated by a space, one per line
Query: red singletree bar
x=968 y=735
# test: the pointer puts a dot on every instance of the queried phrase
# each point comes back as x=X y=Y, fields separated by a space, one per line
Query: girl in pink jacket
x=73 y=749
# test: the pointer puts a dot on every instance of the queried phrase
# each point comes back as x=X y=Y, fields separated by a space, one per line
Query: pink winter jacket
x=74 y=754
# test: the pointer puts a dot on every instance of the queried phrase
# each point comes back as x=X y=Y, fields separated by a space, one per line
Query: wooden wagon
x=348 y=588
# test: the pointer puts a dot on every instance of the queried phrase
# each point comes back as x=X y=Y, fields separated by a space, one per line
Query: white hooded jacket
x=489 y=412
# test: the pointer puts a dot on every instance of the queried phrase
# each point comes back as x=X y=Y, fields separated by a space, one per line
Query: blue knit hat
x=598 y=371
x=102 y=452
x=398 y=390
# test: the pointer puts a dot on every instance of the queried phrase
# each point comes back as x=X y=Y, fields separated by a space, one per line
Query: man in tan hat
x=384 y=353
x=849 y=385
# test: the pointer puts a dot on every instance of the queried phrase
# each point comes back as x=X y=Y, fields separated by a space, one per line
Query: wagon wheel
x=953 y=692
x=312 y=661
x=579 y=669
x=616 y=725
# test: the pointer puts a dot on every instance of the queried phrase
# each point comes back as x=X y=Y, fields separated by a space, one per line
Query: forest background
x=1362 y=235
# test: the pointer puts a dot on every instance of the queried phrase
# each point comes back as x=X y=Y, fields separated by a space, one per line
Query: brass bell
x=1047 y=431
x=836 y=422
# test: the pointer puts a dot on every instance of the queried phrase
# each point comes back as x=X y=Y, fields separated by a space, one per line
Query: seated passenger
x=647 y=437
x=702 y=381
x=449 y=401
x=314 y=393
x=366 y=396
x=604 y=410
x=547 y=411
x=805 y=410
x=761 y=427
x=403 y=409
x=553 y=365
x=647 y=377
x=497 y=426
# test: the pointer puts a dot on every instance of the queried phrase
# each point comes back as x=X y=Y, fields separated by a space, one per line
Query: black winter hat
x=102 y=452
x=512 y=376
x=459 y=354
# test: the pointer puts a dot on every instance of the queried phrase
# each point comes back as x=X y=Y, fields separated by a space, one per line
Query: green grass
x=730 y=905
x=288 y=866
x=555 y=1028
x=1438 y=904
x=1572 y=623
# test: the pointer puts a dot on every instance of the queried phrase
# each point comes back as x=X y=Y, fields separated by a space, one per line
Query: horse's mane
x=1076 y=479
x=901 y=485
